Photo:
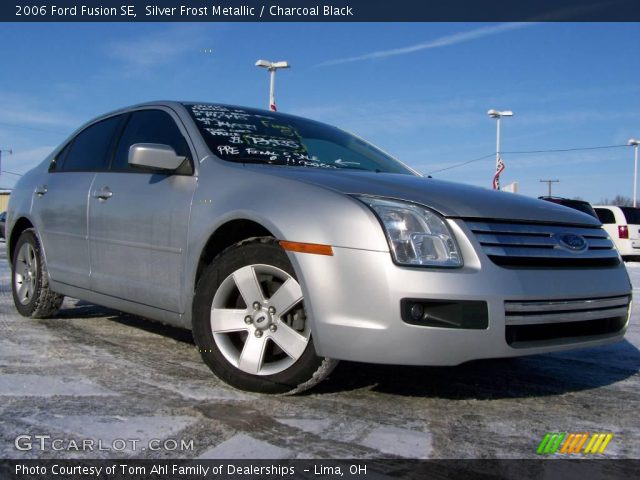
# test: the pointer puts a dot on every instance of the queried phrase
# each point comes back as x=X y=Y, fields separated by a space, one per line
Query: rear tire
x=249 y=321
x=30 y=280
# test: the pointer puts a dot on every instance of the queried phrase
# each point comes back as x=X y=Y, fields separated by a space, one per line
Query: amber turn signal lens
x=316 y=248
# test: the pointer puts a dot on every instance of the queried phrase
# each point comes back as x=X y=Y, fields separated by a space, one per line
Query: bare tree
x=619 y=200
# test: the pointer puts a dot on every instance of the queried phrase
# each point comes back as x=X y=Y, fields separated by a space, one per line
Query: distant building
x=512 y=187
x=4 y=199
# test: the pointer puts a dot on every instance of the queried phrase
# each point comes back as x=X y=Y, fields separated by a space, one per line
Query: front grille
x=557 y=321
x=533 y=245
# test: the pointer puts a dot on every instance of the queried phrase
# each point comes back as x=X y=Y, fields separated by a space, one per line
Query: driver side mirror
x=155 y=156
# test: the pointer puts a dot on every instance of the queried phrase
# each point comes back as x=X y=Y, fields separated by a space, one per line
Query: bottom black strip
x=562 y=467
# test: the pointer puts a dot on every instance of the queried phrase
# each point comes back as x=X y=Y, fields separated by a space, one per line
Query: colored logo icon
x=574 y=443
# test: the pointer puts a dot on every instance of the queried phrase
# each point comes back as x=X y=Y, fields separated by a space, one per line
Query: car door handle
x=103 y=194
x=41 y=190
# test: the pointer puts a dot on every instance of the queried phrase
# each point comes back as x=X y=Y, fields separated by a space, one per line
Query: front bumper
x=353 y=299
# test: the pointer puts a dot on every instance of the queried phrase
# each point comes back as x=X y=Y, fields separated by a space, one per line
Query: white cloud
x=21 y=162
x=445 y=41
x=151 y=50
x=572 y=117
x=34 y=117
x=25 y=160
x=373 y=118
x=23 y=110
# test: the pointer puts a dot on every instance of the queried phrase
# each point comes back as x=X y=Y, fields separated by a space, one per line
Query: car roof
x=176 y=104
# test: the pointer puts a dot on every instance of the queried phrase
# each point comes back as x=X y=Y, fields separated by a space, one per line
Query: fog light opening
x=417 y=311
x=460 y=314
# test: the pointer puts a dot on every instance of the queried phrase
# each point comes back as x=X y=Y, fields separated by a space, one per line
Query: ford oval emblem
x=571 y=241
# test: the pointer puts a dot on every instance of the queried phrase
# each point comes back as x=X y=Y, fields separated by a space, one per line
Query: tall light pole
x=633 y=142
x=10 y=152
x=499 y=165
x=272 y=67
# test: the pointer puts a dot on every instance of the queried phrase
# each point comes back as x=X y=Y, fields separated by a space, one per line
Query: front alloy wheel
x=250 y=324
x=269 y=332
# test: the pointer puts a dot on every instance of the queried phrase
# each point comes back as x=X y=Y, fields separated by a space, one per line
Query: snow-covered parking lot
x=98 y=375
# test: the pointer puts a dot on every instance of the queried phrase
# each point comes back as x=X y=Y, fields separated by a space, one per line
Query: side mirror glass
x=155 y=156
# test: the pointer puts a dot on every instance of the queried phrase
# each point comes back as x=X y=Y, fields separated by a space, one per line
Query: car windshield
x=245 y=135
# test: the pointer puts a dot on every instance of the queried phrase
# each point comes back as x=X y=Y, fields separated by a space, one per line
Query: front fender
x=289 y=209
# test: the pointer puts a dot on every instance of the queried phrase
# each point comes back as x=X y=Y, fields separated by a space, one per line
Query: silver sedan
x=285 y=245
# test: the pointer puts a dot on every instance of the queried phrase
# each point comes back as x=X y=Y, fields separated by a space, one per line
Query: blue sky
x=419 y=91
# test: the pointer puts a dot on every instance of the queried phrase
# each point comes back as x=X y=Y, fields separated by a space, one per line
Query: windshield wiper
x=257 y=160
x=310 y=164
x=351 y=167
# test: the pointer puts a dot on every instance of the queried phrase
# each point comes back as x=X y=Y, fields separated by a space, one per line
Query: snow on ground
x=93 y=373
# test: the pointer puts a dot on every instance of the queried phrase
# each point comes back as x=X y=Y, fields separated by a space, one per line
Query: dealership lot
x=94 y=383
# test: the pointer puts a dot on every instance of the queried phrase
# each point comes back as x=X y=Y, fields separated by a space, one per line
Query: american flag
x=496 y=178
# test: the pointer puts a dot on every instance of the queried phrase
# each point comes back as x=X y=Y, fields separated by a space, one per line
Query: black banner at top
x=319 y=10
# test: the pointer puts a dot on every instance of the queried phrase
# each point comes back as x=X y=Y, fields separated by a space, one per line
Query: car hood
x=448 y=198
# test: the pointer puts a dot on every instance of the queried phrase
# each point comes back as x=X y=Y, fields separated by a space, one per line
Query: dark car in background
x=580 y=205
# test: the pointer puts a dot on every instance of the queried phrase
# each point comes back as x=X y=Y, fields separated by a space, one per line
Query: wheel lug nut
x=248 y=320
x=257 y=306
x=273 y=328
x=258 y=333
x=272 y=310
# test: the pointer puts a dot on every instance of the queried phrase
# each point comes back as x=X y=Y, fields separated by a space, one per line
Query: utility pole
x=549 y=182
x=10 y=152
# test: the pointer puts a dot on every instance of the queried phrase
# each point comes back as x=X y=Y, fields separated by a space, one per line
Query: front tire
x=249 y=321
x=30 y=280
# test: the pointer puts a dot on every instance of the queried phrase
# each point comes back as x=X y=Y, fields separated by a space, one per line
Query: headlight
x=416 y=235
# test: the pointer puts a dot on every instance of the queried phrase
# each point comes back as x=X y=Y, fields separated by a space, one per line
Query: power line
x=519 y=152
x=11 y=173
x=565 y=149
x=462 y=164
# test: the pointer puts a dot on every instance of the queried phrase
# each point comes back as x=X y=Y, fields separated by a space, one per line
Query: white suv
x=623 y=226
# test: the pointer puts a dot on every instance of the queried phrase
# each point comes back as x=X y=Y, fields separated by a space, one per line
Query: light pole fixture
x=634 y=143
x=499 y=164
x=271 y=68
x=10 y=152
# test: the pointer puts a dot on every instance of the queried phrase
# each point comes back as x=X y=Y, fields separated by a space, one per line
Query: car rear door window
x=605 y=215
x=149 y=126
x=90 y=149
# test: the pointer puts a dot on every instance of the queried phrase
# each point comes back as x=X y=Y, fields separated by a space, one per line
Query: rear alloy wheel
x=250 y=322
x=30 y=281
